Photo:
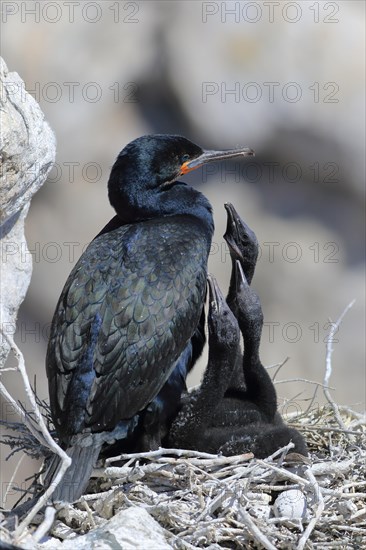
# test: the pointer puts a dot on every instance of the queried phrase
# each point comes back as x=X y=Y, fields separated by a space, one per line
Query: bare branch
x=328 y=365
x=319 y=510
x=42 y=435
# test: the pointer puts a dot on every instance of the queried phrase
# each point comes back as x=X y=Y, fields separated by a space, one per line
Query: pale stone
x=27 y=146
x=131 y=529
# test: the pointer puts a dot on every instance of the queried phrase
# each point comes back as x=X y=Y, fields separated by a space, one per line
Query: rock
x=7 y=541
x=28 y=147
x=290 y=504
x=131 y=529
x=237 y=90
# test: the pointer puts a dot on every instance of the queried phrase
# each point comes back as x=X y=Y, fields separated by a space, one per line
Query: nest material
x=208 y=501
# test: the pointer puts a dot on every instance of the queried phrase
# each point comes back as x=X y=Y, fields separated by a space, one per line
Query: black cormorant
x=127 y=313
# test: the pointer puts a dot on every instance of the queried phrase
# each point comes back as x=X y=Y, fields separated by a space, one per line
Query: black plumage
x=131 y=305
x=239 y=394
x=123 y=319
x=251 y=417
x=192 y=428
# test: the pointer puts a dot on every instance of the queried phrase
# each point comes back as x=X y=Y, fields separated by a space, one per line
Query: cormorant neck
x=231 y=294
x=252 y=338
x=136 y=200
x=222 y=357
x=214 y=385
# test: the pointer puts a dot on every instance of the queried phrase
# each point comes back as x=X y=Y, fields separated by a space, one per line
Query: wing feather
x=146 y=284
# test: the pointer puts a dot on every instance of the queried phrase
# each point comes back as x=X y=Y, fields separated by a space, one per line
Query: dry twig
x=41 y=433
x=328 y=364
x=204 y=500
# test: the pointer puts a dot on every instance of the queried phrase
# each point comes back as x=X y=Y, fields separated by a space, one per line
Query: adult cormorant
x=131 y=304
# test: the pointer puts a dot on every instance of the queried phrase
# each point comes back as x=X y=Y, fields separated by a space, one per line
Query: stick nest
x=209 y=501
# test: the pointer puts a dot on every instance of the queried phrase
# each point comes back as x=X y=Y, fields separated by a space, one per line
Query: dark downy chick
x=191 y=428
x=245 y=418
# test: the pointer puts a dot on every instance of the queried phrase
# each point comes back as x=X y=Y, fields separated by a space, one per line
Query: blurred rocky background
x=285 y=78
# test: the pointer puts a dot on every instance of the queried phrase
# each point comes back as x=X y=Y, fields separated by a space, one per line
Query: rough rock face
x=131 y=529
x=27 y=148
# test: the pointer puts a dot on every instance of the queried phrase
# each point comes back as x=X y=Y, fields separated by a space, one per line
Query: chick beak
x=217 y=300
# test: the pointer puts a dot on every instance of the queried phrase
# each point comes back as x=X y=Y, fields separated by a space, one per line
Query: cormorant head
x=238 y=235
x=143 y=181
x=222 y=325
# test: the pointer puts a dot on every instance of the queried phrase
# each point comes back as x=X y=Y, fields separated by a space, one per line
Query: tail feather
x=84 y=453
x=76 y=478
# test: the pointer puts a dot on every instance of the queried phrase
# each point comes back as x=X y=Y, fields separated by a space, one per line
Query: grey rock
x=27 y=145
x=131 y=529
x=27 y=148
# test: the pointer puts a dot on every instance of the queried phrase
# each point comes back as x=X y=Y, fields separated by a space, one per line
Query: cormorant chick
x=246 y=419
x=261 y=429
x=131 y=305
x=243 y=246
x=191 y=429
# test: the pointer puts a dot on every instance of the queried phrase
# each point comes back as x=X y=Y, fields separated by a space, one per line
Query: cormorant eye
x=185 y=158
